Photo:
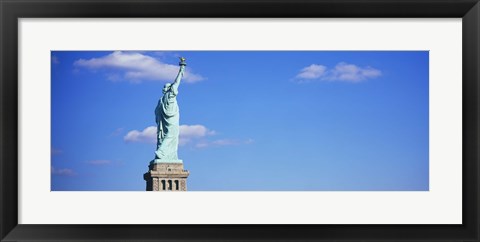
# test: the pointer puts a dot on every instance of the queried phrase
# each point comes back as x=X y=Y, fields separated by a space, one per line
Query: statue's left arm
x=177 y=81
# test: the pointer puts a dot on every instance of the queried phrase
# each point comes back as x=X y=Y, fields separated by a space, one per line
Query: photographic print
x=239 y=120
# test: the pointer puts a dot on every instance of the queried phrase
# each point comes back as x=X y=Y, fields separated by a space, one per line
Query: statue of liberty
x=167 y=116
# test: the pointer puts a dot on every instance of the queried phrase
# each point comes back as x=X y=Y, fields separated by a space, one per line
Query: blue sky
x=250 y=120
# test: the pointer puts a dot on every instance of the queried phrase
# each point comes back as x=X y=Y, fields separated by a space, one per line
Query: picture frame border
x=12 y=10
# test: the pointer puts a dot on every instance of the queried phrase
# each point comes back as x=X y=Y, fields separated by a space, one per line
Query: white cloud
x=190 y=132
x=55 y=60
x=99 y=162
x=223 y=142
x=343 y=72
x=312 y=72
x=62 y=172
x=352 y=73
x=136 y=67
x=196 y=135
x=202 y=144
x=187 y=134
x=148 y=135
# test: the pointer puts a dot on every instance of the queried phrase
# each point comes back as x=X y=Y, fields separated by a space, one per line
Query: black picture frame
x=12 y=10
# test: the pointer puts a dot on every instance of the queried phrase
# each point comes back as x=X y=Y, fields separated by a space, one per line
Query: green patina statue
x=167 y=116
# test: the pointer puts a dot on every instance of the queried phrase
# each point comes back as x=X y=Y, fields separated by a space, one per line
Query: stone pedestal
x=166 y=177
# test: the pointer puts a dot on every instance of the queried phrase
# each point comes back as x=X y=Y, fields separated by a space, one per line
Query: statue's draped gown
x=167 y=117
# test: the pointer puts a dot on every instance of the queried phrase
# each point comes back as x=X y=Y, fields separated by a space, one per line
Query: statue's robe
x=168 y=129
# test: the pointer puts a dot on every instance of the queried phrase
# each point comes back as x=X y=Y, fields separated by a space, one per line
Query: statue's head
x=166 y=87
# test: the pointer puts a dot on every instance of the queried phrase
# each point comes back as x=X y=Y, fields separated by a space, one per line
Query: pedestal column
x=166 y=177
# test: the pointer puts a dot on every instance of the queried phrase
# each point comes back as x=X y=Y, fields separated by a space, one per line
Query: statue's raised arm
x=177 y=81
